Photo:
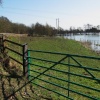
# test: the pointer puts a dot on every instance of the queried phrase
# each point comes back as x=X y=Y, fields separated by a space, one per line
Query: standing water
x=93 y=39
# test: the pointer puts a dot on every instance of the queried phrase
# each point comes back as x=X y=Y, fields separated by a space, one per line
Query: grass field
x=64 y=46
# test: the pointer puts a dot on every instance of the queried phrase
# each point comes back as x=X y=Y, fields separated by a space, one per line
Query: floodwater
x=93 y=38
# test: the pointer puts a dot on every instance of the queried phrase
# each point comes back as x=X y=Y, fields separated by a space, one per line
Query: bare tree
x=98 y=27
x=88 y=26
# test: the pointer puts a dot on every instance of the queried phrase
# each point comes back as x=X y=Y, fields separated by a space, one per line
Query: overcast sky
x=70 y=12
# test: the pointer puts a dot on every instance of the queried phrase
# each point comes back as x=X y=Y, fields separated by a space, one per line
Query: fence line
x=23 y=54
x=65 y=76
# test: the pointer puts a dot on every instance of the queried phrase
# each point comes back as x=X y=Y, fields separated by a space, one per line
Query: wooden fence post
x=1 y=43
x=25 y=60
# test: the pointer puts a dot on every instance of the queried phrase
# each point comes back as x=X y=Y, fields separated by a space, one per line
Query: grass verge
x=64 y=46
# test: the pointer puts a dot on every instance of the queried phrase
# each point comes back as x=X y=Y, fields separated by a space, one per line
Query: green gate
x=68 y=76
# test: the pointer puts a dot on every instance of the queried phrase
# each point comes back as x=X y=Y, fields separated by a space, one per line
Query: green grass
x=63 y=46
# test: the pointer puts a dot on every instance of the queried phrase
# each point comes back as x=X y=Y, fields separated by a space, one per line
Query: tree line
x=6 y=26
x=37 y=29
x=88 y=28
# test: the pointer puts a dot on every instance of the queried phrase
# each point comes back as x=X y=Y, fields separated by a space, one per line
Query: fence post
x=1 y=43
x=25 y=60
